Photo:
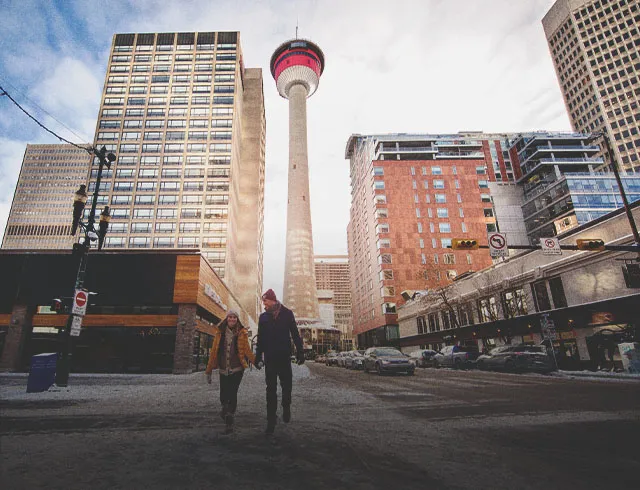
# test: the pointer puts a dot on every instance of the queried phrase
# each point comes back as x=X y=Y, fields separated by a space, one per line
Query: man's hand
x=208 y=378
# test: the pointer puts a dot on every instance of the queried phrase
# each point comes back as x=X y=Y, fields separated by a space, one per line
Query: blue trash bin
x=42 y=374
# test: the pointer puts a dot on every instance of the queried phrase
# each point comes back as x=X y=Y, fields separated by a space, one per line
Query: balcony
x=454 y=154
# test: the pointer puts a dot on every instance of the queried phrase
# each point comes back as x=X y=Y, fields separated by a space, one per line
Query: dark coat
x=275 y=334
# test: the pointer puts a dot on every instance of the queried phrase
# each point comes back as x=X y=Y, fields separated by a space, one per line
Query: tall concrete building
x=334 y=293
x=186 y=120
x=41 y=211
x=410 y=196
x=595 y=46
x=296 y=66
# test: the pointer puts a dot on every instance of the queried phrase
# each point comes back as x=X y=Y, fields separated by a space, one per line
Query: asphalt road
x=437 y=429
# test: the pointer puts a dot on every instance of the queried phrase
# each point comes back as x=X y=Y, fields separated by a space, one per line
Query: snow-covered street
x=438 y=429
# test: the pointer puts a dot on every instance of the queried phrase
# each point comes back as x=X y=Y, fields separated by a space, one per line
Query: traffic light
x=464 y=244
x=57 y=305
x=592 y=244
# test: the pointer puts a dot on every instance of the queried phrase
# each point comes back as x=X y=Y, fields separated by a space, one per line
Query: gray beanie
x=233 y=313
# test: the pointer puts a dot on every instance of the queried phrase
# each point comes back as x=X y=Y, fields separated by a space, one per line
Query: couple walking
x=231 y=354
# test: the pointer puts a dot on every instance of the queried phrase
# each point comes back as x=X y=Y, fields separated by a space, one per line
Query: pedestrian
x=231 y=355
x=276 y=328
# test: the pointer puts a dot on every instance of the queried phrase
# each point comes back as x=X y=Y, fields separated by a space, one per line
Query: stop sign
x=80 y=301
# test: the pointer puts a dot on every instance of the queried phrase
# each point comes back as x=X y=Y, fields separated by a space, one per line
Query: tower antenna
x=297 y=20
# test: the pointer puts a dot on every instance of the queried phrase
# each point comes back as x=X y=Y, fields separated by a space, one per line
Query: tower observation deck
x=296 y=67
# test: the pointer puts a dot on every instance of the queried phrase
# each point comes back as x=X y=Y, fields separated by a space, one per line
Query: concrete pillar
x=19 y=330
x=299 y=281
x=185 y=331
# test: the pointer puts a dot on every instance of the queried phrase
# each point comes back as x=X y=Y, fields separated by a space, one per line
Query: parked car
x=354 y=359
x=340 y=358
x=321 y=358
x=387 y=360
x=423 y=358
x=456 y=356
x=331 y=358
x=517 y=358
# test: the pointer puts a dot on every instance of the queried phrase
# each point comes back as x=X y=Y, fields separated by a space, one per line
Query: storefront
x=152 y=311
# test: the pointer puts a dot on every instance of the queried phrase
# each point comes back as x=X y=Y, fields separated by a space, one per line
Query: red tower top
x=297 y=61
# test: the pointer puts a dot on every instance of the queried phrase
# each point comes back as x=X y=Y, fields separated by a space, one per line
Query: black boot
x=286 y=413
x=271 y=426
x=228 y=423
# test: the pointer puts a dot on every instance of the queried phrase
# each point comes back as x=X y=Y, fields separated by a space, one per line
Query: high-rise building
x=186 y=120
x=410 y=196
x=595 y=46
x=296 y=66
x=41 y=212
x=334 y=294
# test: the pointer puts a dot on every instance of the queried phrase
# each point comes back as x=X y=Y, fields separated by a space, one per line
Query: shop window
x=557 y=292
x=541 y=296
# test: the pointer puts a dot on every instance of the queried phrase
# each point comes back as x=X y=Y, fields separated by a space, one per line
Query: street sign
x=498 y=245
x=76 y=325
x=550 y=246
x=548 y=328
x=80 y=300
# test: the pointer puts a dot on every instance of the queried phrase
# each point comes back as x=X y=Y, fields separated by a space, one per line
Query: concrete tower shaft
x=296 y=67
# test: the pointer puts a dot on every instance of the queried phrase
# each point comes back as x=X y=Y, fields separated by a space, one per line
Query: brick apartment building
x=411 y=195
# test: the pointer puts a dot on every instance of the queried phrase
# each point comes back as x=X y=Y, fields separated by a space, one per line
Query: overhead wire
x=3 y=92
x=35 y=104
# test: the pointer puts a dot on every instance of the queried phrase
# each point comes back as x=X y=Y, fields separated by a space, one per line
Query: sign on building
x=80 y=300
x=76 y=325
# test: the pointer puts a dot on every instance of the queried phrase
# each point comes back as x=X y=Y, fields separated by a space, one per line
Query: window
x=488 y=213
x=491 y=227
x=449 y=259
x=388 y=291
x=376 y=170
x=385 y=258
x=557 y=292
x=445 y=242
x=485 y=197
x=382 y=228
x=384 y=243
x=143 y=213
x=436 y=170
x=444 y=227
x=443 y=213
x=483 y=184
x=541 y=296
x=438 y=184
x=514 y=303
x=378 y=185
x=481 y=170
x=441 y=198
x=488 y=309
x=464 y=227
x=419 y=227
x=421 y=243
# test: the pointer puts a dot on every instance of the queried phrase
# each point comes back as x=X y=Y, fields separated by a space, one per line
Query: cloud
x=405 y=66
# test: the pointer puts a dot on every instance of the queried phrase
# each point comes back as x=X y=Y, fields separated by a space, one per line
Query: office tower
x=411 y=195
x=334 y=293
x=296 y=66
x=41 y=211
x=560 y=186
x=186 y=120
x=595 y=46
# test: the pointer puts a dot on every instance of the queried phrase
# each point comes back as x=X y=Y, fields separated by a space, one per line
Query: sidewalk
x=601 y=375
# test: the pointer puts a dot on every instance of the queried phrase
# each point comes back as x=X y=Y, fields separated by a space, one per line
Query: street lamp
x=81 y=249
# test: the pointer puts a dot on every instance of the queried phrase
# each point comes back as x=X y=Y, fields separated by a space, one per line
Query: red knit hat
x=270 y=295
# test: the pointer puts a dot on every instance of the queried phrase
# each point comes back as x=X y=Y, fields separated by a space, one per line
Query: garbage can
x=42 y=373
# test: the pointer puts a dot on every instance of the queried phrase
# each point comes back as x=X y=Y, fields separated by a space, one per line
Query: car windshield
x=389 y=353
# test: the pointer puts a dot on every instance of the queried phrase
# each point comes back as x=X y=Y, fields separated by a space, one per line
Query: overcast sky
x=423 y=66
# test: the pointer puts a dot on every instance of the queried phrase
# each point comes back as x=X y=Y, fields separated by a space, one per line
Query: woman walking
x=231 y=355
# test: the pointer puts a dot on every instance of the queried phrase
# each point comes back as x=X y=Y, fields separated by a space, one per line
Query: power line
x=5 y=93
x=35 y=104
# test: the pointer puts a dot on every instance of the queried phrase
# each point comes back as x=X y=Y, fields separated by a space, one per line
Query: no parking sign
x=498 y=245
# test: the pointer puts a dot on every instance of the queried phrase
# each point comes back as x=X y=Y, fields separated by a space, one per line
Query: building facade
x=595 y=47
x=186 y=120
x=410 y=196
x=591 y=298
x=41 y=211
x=334 y=294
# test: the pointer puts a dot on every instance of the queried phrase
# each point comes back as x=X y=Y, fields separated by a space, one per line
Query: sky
x=423 y=66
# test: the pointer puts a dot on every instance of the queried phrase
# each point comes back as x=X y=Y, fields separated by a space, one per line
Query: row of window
x=168 y=135
x=166 y=213
x=171 y=112
x=160 y=242
x=174 y=147
x=147 y=58
x=195 y=100
x=180 y=79
x=170 y=160
x=161 y=124
x=379 y=185
x=160 y=90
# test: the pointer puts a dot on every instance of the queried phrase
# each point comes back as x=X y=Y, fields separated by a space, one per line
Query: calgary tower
x=296 y=67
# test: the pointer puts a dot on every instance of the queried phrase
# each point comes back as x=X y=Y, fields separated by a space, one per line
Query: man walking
x=276 y=327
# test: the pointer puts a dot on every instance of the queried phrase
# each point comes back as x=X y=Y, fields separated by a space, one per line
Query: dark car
x=517 y=358
x=423 y=358
x=387 y=360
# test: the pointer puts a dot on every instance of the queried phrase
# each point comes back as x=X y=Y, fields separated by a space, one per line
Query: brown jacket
x=244 y=349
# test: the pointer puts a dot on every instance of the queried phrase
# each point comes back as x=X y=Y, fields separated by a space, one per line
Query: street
x=437 y=429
